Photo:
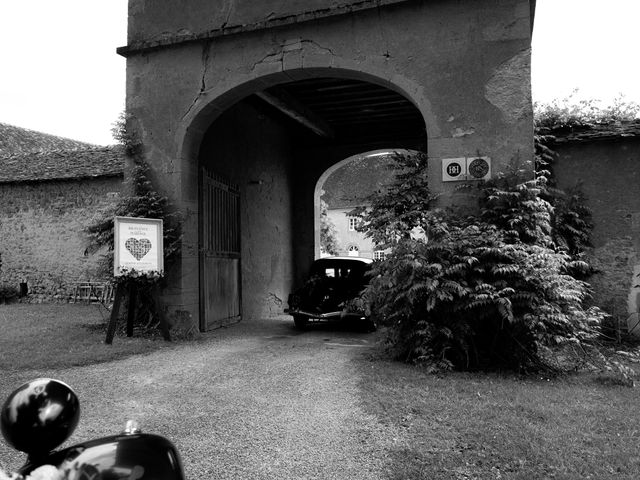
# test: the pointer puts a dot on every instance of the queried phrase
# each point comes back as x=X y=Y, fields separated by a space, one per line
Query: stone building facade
x=47 y=196
x=250 y=103
x=351 y=243
x=348 y=186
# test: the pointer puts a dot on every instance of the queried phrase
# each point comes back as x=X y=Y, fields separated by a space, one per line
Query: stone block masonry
x=41 y=233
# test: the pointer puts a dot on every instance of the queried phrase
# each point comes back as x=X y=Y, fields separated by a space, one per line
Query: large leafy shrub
x=572 y=221
x=484 y=290
x=571 y=217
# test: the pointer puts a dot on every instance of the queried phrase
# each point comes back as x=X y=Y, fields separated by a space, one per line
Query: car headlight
x=293 y=300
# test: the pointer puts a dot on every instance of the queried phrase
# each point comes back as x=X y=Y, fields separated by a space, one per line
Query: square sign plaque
x=137 y=245
x=466 y=168
x=454 y=169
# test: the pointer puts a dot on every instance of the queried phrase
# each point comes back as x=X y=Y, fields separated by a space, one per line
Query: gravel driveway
x=255 y=401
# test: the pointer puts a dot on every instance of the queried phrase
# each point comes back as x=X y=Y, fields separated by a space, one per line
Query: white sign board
x=137 y=245
x=466 y=168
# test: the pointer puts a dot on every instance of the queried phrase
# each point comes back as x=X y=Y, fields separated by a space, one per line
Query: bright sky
x=591 y=45
x=61 y=75
x=60 y=71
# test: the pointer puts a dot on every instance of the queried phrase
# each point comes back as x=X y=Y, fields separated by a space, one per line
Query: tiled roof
x=16 y=140
x=594 y=132
x=63 y=164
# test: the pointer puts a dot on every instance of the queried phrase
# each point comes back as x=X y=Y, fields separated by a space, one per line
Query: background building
x=348 y=187
x=50 y=189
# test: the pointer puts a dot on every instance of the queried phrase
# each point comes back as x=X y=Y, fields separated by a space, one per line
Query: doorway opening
x=341 y=191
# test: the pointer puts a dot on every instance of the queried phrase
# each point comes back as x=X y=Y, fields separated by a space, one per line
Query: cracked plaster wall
x=509 y=88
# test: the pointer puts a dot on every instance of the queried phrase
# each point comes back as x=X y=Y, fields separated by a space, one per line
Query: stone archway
x=260 y=144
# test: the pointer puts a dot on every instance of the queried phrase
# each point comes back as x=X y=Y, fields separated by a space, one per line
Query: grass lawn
x=490 y=426
x=62 y=335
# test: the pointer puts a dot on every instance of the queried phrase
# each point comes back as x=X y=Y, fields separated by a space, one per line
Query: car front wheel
x=300 y=321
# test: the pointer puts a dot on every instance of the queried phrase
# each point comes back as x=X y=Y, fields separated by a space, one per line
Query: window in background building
x=378 y=255
x=353 y=221
x=354 y=251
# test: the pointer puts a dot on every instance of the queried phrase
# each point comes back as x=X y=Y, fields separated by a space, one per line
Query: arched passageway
x=343 y=187
x=259 y=163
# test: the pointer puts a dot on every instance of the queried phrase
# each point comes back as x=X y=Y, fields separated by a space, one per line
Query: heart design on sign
x=138 y=248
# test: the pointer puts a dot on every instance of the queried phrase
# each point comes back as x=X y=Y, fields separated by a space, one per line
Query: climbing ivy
x=140 y=200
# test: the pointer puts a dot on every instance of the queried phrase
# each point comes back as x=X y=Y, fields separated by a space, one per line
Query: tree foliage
x=328 y=234
x=572 y=222
x=485 y=290
x=393 y=213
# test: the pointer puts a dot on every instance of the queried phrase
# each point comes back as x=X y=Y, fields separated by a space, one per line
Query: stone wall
x=610 y=175
x=41 y=238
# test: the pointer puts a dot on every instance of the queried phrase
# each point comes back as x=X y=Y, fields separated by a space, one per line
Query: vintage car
x=333 y=291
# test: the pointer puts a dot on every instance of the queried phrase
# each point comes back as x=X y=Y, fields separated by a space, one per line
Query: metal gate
x=220 y=251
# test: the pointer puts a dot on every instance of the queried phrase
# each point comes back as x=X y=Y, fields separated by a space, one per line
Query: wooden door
x=219 y=251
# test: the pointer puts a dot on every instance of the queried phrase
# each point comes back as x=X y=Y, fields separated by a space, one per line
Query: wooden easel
x=156 y=307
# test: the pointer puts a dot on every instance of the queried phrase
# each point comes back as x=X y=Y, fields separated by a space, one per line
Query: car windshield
x=343 y=269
